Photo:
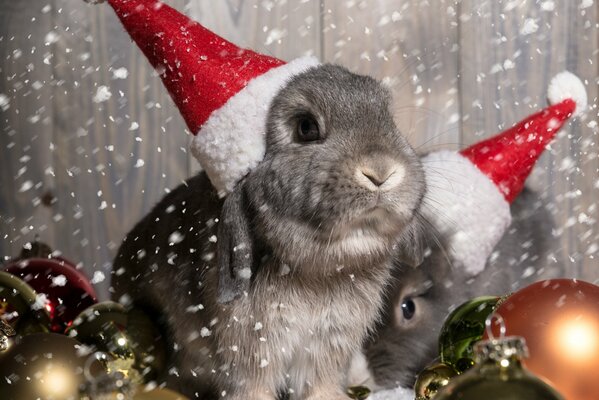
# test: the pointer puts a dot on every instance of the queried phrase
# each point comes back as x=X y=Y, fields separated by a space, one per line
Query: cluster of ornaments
x=546 y=346
x=57 y=342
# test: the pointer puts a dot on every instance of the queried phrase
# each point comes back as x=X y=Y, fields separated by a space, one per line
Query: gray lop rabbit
x=419 y=299
x=274 y=288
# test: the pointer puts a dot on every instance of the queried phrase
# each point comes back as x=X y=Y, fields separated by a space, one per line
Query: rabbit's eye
x=307 y=129
x=408 y=308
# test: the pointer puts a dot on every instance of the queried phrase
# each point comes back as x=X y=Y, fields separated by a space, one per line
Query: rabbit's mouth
x=377 y=222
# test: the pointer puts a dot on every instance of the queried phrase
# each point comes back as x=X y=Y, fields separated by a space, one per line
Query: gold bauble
x=45 y=366
x=498 y=375
x=432 y=379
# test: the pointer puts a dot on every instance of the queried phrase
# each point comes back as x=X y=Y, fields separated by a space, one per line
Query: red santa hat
x=222 y=91
x=469 y=193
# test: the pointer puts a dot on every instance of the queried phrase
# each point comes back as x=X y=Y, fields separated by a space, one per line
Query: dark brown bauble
x=47 y=366
x=66 y=289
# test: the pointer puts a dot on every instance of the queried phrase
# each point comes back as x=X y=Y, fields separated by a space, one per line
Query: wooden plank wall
x=80 y=168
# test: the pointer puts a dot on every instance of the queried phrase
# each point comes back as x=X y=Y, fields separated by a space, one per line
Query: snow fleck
x=51 y=37
x=175 y=237
x=98 y=277
x=134 y=126
x=508 y=64
x=40 y=302
x=244 y=273
x=284 y=270
x=528 y=272
x=263 y=363
x=103 y=205
x=25 y=186
x=120 y=73
x=212 y=239
x=234 y=348
x=548 y=5
x=59 y=280
x=4 y=102
x=194 y=308
x=205 y=332
x=275 y=35
x=102 y=94
x=139 y=163
x=258 y=326
x=530 y=26
x=585 y=4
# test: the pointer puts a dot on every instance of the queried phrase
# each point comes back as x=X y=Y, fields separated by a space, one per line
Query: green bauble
x=20 y=308
x=464 y=327
x=130 y=336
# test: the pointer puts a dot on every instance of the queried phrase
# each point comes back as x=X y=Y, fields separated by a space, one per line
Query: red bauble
x=559 y=318
x=67 y=290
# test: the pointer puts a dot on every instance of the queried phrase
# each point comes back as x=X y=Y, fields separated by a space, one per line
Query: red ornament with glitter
x=65 y=290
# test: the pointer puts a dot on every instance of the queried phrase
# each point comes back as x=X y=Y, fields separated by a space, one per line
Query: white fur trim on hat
x=566 y=85
x=466 y=207
x=232 y=141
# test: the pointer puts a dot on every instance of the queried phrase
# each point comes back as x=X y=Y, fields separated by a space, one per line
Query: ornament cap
x=501 y=349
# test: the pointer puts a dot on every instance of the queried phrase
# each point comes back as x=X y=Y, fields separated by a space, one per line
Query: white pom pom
x=566 y=85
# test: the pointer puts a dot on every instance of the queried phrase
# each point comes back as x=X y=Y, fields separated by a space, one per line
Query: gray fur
x=402 y=348
x=315 y=238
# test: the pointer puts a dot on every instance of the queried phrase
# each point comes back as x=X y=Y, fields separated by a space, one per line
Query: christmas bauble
x=358 y=392
x=45 y=366
x=432 y=379
x=498 y=375
x=559 y=319
x=20 y=307
x=158 y=394
x=464 y=327
x=124 y=334
x=67 y=291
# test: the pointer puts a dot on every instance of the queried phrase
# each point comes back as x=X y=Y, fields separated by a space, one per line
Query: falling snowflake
x=120 y=73
x=59 y=280
x=102 y=94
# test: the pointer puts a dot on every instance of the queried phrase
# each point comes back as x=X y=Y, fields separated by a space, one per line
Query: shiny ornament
x=65 y=289
x=21 y=307
x=130 y=336
x=432 y=379
x=47 y=366
x=462 y=329
x=358 y=392
x=159 y=394
x=498 y=375
x=6 y=332
x=559 y=318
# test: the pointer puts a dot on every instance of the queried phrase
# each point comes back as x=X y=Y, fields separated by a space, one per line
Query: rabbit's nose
x=378 y=173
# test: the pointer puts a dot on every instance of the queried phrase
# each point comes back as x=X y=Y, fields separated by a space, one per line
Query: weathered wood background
x=80 y=172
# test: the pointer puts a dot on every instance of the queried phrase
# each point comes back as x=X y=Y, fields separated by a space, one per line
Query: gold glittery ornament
x=432 y=379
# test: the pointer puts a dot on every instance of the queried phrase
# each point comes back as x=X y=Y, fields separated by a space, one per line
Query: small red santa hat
x=469 y=193
x=222 y=91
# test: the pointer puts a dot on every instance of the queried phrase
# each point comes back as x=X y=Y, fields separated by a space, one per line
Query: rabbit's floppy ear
x=234 y=248
x=411 y=244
